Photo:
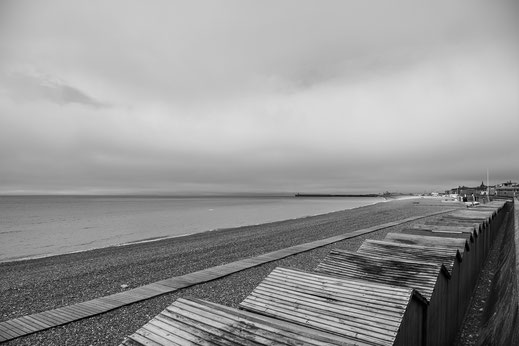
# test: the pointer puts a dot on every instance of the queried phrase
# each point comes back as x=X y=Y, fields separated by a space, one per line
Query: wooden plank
x=251 y=262
x=275 y=326
x=448 y=228
x=452 y=222
x=23 y=322
x=160 y=288
x=16 y=327
x=326 y=312
x=137 y=339
x=209 y=322
x=97 y=306
x=370 y=306
x=44 y=324
x=7 y=328
x=388 y=306
x=432 y=243
x=161 y=337
x=299 y=301
x=174 y=283
x=85 y=309
x=139 y=294
x=358 y=312
x=27 y=324
x=313 y=321
x=37 y=323
x=222 y=271
x=64 y=314
x=463 y=221
x=150 y=290
x=331 y=282
x=198 y=278
x=118 y=299
x=218 y=324
x=418 y=275
x=75 y=312
x=49 y=318
x=389 y=299
x=204 y=333
x=469 y=236
x=105 y=303
x=6 y=333
x=481 y=214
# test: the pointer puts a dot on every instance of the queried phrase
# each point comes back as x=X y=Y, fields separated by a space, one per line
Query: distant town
x=508 y=189
x=464 y=193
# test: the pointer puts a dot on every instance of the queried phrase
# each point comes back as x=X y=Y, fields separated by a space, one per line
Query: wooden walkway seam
x=40 y=321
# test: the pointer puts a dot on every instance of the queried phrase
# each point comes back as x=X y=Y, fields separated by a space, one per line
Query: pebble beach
x=41 y=284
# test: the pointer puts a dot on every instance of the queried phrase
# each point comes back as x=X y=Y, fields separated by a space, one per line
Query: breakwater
x=336 y=195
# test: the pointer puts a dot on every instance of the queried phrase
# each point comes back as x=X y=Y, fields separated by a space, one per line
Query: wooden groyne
x=412 y=288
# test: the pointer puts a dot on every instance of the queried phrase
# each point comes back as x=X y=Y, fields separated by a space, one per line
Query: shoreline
x=159 y=238
x=43 y=284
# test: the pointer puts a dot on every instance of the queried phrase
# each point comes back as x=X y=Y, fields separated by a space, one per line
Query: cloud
x=24 y=87
x=285 y=96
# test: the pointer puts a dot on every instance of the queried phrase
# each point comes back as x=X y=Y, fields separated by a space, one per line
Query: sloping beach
x=42 y=284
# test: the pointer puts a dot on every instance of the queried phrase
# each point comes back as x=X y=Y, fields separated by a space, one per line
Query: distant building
x=504 y=190
x=478 y=192
x=507 y=190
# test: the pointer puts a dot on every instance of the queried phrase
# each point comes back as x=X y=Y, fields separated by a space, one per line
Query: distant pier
x=337 y=195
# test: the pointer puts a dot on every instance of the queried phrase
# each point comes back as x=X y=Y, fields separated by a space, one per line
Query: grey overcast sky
x=259 y=96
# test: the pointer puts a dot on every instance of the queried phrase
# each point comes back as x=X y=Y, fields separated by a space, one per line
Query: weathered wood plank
x=84 y=309
x=206 y=331
x=355 y=290
x=285 y=294
x=418 y=275
x=355 y=312
x=276 y=327
x=27 y=323
x=6 y=333
x=45 y=316
x=159 y=335
x=442 y=231
x=203 y=323
x=44 y=324
x=60 y=314
x=430 y=241
x=411 y=251
x=137 y=339
x=15 y=327
x=159 y=288
x=36 y=322
x=97 y=306
x=75 y=312
x=312 y=320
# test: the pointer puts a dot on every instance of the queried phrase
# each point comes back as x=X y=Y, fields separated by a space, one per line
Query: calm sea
x=34 y=226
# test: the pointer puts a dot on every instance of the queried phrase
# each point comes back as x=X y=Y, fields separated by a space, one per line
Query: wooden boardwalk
x=29 y=324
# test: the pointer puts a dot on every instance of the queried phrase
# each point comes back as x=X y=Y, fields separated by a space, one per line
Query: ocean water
x=36 y=226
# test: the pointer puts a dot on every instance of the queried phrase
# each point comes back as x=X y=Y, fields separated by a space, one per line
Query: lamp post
x=488 y=188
